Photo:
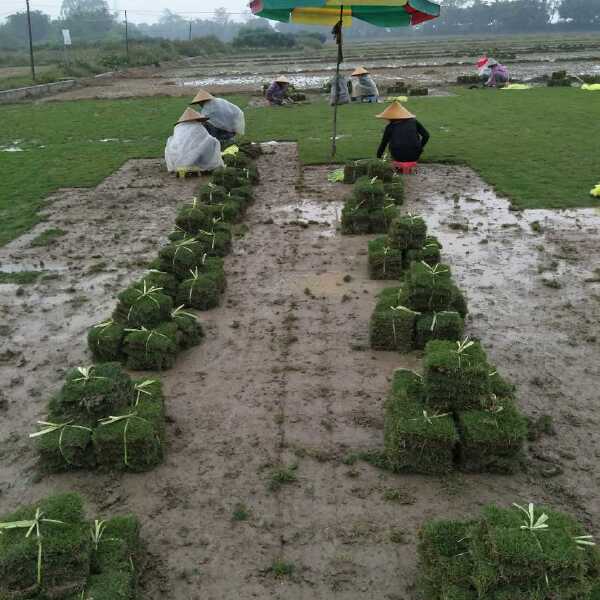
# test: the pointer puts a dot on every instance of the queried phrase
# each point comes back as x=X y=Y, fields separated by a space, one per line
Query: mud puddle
x=285 y=379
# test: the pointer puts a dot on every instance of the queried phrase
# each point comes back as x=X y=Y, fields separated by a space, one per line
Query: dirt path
x=285 y=379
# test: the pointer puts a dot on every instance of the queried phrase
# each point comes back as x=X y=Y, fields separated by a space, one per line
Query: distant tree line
x=91 y=20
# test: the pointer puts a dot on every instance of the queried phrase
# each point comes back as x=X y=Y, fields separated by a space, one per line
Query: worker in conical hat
x=364 y=88
x=277 y=92
x=191 y=146
x=225 y=119
x=404 y=135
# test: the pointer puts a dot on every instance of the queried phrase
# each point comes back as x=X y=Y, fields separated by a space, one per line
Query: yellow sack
x=595 y=191
x=591 y=87
x=516 y=86
x=230 y=151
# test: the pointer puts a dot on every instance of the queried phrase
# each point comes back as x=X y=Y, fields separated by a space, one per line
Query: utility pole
x=30 y=42
x=126 y=39
x=190 y=31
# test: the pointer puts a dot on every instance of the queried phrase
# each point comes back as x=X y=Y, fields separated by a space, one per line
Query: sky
x=138 y=10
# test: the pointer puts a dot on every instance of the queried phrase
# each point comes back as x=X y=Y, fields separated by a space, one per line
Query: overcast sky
x=138 y=10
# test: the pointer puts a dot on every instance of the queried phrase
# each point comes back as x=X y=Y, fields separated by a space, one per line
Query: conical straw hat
x=282 y=79
x=395 y=111
x=202 y=96
x=189 y=115
x=359 y=71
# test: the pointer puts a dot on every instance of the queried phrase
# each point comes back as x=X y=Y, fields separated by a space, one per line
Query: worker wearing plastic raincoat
x=364 y=88
x=191 y=146
x=225 y=120
x=342 y=96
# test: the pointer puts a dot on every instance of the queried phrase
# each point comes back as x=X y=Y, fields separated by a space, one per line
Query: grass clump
x=240 y=512
x=68 y=558
x=282 y=475
x=20 y=277
x=519 y=553
x=48 y=237
x=281 y=569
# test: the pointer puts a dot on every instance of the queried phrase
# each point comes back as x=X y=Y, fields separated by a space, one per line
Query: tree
x=87 y=19
x=221 y=17
x=581 y=13
x=16 y=27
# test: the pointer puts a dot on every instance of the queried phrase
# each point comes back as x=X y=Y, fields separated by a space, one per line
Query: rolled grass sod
x=457 y=376
x=492 y=438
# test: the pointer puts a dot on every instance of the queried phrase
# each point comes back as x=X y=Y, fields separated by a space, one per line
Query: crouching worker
x=225 y=120
x=191 y=146
x=404 y=135
x=364 y=88
x=277 y=93
x=498 y=74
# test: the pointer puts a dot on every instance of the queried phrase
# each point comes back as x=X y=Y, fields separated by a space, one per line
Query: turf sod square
x=456 y=375
x=142 y=305
x=429 y=289
x=416 y=440
x=189 y=329
x=210 y=193
x=369 y=167
x=67 y=447
x=180 y=257
x=92 y=392
x=385 y=262
x=395 y=190
x=161 y=279
x=151 y=349
x=199 y=291
x=430 y=253
x=444 y=325
x=369 y=194
x=134 y=438
x=65 y=550
x=105 y=341
x=392 y=324
x=492 y=439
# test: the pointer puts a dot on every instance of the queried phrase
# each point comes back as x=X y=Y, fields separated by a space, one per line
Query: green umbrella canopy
x=383 y=13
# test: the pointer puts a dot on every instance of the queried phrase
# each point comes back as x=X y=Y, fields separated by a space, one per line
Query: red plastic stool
x=406 y=168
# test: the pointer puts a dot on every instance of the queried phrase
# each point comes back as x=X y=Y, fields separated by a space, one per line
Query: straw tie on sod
x=141 y=388
x=31 y=526
x=86 y=374
x=428 y=418
x=179 y=312
x=145 y=292
x=462 y=347
x=150 y=332
x=102 y=326
x=195 y=276
x=53 y=427
x=386 y=250
x=184 y=245
x=127 y=418
x=399 y=309
x=434 y=271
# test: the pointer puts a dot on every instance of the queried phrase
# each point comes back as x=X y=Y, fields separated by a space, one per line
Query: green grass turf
x=535 y=146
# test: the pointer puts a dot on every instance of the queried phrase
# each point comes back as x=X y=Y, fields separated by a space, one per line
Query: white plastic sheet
x=224 y=115
x=192 y=146
x=344 y=96
x=364 y=86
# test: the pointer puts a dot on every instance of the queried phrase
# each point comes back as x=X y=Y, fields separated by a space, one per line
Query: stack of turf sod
x=369 y=167
x=101 y=417
x=518 y=553
x=406 y=241
x=146 y=331
x=427 y=306
x=50 y=550
x=460 y=413
x=369 y=209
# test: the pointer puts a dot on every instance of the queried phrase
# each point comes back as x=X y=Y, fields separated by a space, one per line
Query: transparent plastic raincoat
x=344 y=96
x=224 y=115
x=192 y=146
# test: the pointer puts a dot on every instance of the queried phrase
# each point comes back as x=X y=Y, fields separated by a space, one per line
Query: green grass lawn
x=539 y=147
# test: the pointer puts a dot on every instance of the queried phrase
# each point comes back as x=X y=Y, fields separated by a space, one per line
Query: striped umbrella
x=340 y=13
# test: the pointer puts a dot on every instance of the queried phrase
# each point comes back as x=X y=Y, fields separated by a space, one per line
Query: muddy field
x=435 y=63
x=285 y=378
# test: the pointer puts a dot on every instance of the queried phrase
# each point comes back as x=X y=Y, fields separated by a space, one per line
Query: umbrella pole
x=336 y=96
